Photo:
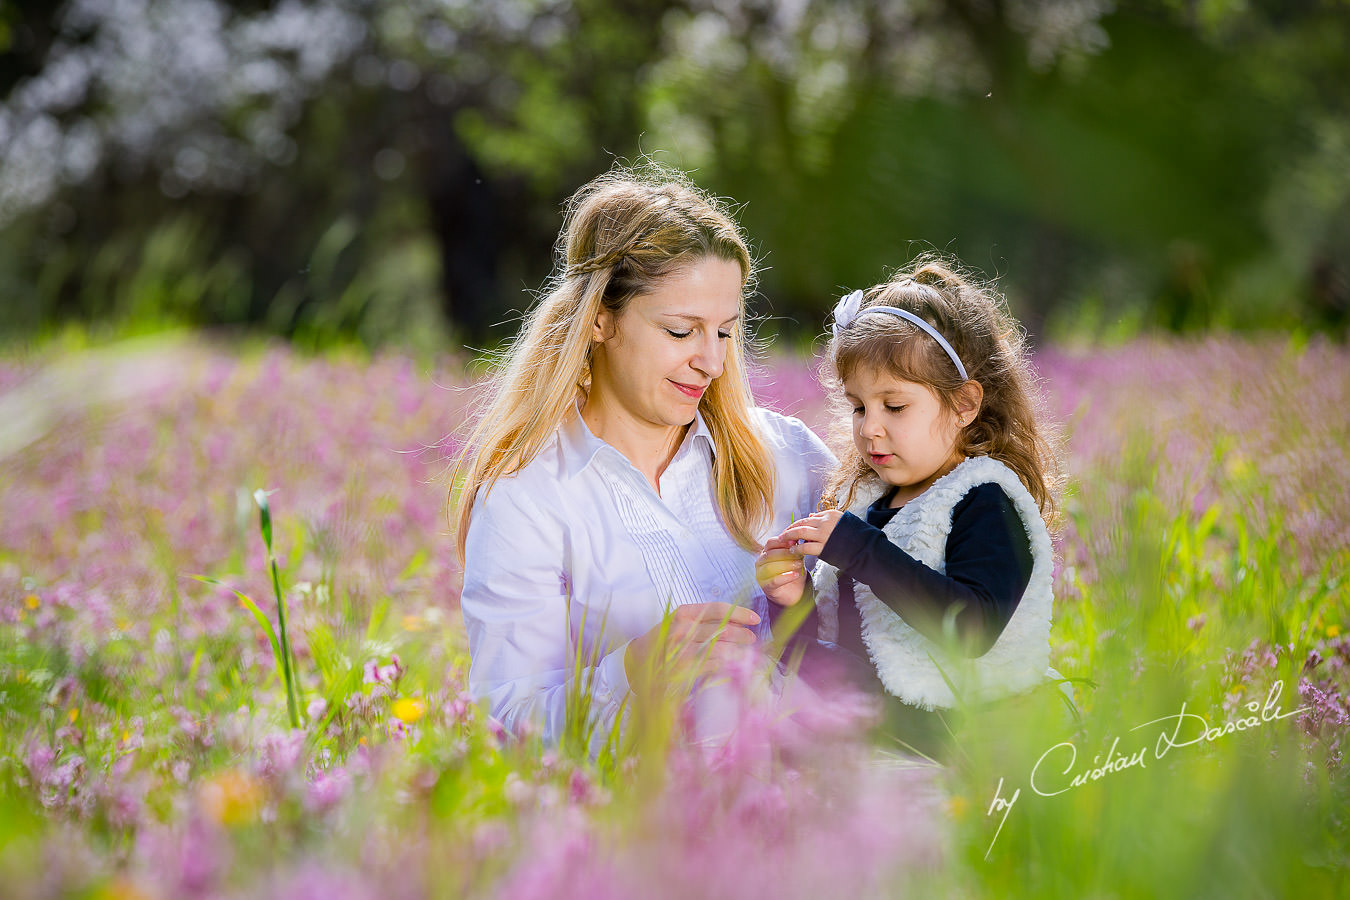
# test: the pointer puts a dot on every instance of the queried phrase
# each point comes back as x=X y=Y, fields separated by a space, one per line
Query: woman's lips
x=690 y=390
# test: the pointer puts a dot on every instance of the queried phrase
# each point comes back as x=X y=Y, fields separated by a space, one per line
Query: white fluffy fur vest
x=910 y=665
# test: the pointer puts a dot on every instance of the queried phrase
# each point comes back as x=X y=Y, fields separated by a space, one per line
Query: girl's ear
x=969 y=398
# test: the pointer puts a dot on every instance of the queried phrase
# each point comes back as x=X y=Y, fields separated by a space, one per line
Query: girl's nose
x=871 y=425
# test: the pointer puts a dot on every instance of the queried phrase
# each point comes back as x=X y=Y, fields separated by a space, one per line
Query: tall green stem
x=287 y=666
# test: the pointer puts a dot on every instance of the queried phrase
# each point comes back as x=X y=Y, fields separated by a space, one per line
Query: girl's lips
x=690 y=390
x=880 y=459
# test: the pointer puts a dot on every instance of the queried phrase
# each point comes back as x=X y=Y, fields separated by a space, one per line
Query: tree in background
x=345 y=168
x=1187 y=161
x=302 y=165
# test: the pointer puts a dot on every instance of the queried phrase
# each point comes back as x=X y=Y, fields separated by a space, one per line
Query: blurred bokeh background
x=391 y=173
x=1161 y=187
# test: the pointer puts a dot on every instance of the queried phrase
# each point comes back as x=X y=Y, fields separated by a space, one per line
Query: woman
x=619 y=481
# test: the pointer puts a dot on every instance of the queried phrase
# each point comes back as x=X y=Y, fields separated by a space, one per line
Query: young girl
x=935 y=558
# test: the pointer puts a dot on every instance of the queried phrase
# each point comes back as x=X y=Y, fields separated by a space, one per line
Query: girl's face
x=653 y=362
x=902 y=431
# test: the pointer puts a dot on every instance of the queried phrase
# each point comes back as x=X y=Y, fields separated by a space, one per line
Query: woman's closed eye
x=681 y=335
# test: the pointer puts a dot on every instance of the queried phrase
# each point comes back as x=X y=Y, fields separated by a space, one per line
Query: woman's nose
x=710 y=356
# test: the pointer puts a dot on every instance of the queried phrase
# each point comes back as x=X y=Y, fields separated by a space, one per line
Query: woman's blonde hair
x=975 y=321
x=622 y=234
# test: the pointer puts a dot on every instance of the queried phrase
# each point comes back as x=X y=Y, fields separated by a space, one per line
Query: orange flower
x=121 y=889
x=232 y=797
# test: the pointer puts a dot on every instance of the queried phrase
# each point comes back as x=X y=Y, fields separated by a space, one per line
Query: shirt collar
x=580 y=446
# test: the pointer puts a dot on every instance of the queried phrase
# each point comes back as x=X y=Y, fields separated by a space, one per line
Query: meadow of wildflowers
x=147 y=749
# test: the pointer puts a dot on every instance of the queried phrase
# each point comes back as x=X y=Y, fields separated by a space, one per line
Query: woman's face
x=653 y=362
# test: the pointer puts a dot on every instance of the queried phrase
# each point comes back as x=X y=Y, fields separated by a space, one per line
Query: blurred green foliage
x=339 y=170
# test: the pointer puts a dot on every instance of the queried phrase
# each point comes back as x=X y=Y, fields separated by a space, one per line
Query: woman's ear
x=969 y=398
x=603 y=329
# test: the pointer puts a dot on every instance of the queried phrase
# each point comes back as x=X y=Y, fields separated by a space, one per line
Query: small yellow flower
x=957 y=807
x=33 y=601
x=1333 y=630
x=414 y=623
x=1237 y=466
x=409 y=709
x=232 y=798
x=74 y=714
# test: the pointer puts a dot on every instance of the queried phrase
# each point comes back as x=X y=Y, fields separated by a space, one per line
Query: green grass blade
x=260 y=498
x=252 y=607
x=284 y=651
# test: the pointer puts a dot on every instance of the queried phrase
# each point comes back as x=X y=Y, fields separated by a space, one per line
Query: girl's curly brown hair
x=974 y=319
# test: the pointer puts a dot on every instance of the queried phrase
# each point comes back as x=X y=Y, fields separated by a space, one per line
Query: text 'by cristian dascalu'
x=1056 y=771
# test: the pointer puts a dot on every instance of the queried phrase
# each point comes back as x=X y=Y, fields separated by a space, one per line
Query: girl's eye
x=857 y=410
x=894 y=409
x=724 y=335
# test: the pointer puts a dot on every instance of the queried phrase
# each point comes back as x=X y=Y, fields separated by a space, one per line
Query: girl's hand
x=813 y=532
x=780 y=572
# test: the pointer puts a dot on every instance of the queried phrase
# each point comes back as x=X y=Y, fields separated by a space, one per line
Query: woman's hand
x=692 y=633
x=812 y=533
x=780 y=572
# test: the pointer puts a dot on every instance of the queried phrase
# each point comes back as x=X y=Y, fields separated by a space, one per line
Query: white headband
x=847 y=310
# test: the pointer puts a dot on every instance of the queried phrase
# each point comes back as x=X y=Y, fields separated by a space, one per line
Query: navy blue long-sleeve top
x=988 y=567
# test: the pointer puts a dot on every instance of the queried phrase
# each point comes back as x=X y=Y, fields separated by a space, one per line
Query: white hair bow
x=846 y=310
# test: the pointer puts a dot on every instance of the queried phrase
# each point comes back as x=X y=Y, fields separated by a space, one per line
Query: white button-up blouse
x=579 y=537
